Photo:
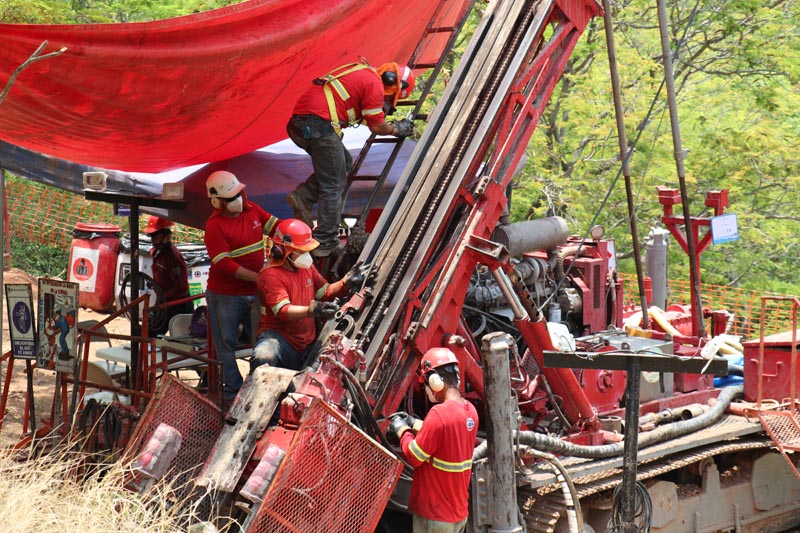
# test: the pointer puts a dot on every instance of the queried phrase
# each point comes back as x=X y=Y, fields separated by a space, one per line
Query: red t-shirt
x=278 y=287
x=237 y=241
x=441 y=454
x=366 y=99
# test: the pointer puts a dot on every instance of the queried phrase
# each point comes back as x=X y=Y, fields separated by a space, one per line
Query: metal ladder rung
x=441 y=29
x=430 y=35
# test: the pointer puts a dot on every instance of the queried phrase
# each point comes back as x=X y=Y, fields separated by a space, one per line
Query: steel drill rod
x=624 y=156
x=694 y=272
x=630 y=447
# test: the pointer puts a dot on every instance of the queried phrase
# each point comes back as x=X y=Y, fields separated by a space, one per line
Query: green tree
x=736 y=75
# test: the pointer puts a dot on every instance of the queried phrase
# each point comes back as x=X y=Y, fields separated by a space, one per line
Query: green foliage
x=39 y=260
x=99 y=11
x=736 y=72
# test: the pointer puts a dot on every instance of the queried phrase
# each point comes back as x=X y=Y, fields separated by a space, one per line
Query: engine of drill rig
x=573 y=282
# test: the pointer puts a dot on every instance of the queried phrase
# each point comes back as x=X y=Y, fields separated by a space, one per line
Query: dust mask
x=302 y=261
x=235 y=206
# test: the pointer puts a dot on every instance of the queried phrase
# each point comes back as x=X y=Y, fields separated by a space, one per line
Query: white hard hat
x=223 y=184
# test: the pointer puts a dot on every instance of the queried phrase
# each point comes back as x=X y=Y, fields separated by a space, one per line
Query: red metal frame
x=718 y=200
x=451 y=273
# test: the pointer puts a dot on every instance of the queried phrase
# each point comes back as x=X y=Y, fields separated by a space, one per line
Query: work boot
x=301 y=209
x=324 y=250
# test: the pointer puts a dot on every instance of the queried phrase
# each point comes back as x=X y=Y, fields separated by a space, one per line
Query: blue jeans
x=326 y=185
x=225 y=313
x=274 y=350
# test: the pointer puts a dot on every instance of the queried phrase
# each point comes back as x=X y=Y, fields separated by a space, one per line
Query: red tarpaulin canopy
x=155 y=96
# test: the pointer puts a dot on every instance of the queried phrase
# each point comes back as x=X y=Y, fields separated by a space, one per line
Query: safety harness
x=330 y=83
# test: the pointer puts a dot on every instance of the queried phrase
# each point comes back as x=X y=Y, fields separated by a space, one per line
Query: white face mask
x=302 y=261
x=235 y=206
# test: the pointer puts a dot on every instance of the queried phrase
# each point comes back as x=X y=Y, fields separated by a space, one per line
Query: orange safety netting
x=47 y=215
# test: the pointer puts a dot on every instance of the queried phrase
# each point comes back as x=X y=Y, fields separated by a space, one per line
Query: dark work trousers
x=326 y=185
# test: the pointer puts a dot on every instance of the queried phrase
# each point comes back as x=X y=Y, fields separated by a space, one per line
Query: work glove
x=388 y=109
x=322 y=310
x=412 y=422
x=398 y=424
x=354 y=278
x=405 y=127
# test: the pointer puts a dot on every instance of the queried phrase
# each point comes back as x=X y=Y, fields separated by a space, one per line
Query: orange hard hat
x=294 y=234
x=155 y=224
x=398 y=80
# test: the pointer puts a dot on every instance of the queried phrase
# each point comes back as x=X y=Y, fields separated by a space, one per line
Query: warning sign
x=19 y=299
x=84 y=268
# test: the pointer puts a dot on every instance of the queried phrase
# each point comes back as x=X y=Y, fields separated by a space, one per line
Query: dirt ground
x=43 y=380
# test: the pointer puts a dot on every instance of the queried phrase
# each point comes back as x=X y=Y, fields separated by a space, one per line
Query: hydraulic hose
x=574 y=515
x=555 y=445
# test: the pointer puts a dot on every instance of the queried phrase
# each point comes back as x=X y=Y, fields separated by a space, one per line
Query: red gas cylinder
x=92 y=263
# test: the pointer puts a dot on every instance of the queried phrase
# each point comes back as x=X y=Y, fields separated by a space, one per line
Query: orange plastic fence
x=744 y=304
x=47 y=215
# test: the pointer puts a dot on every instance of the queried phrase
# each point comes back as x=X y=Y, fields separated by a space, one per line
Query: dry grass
x=59 y=491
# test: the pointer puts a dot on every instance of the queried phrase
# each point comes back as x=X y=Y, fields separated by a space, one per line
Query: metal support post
x=500 y=424
x=630 y=447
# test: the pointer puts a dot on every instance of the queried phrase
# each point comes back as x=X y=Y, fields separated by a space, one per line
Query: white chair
x=179 y=325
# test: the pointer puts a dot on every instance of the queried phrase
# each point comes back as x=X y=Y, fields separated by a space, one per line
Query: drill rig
x=441 y=271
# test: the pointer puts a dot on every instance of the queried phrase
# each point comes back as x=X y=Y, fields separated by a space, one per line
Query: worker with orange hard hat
x=293 y=296
x=170 y=274
x=440 y=448
x=346 y=96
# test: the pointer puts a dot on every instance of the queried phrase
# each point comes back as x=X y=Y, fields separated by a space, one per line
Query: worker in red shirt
x=293 y=294
x=441 y=450
x=170 y=274
x=345 y=97
x=234 y=237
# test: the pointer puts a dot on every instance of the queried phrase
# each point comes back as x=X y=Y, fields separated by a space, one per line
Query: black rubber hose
x=554 y=445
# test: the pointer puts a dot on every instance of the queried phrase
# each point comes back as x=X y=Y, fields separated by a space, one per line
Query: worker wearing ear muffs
x=440 y=447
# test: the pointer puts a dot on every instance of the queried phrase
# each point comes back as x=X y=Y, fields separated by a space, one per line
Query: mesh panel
x=197 y=420
x=333 y=478
x=782 y=427
x=744 y=304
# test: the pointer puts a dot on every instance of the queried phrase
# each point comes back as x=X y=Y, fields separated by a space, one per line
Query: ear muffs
x=277 y=252
x=215 y=203
x=389 y=78
x=435 y=381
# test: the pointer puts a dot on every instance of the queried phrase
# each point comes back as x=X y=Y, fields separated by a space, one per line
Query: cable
x=643 y=510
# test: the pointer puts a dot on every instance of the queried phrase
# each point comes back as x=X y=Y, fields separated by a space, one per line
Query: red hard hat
x=155 y=224
x=437 y=358
x=294 y=234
